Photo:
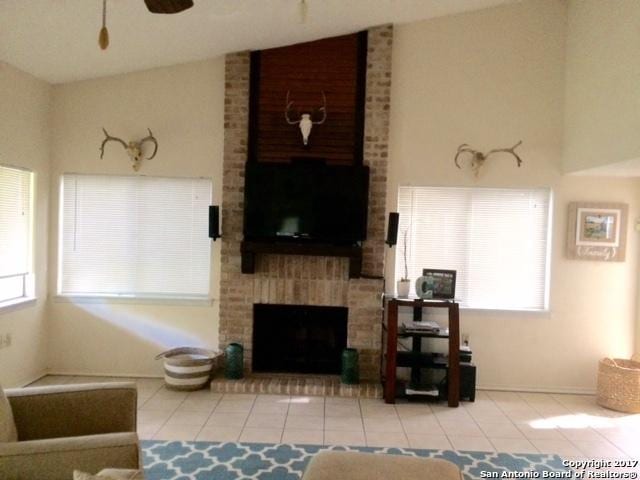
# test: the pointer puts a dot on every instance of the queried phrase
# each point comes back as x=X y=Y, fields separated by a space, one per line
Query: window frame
x=124 y=298
x=28 y=277
x=546 y=308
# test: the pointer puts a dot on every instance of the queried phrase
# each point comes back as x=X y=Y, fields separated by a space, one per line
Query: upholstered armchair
x=70 y=427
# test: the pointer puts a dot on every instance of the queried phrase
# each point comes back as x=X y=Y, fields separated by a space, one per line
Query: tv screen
x=306 y=201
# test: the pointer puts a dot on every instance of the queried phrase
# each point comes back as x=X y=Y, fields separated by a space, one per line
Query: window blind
x=134 y=236
x=496 y=240
x=16 y=187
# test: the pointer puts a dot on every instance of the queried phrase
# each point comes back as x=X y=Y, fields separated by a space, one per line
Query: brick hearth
x=299 y=280
x=298 y=385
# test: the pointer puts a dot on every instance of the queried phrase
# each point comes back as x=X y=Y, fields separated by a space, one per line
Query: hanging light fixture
x=103 y=37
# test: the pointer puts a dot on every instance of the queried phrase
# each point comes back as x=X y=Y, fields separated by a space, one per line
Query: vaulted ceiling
x=56 y=40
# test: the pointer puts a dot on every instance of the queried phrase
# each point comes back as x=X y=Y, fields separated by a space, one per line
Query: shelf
x=425 y=360
x=421 y=302
x=419 y=359
x=249 y=250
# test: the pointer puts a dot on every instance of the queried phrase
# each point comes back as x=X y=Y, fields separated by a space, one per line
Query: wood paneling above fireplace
x=335 y=66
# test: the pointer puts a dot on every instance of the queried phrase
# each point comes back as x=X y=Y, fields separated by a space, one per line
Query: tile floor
x=567 y=425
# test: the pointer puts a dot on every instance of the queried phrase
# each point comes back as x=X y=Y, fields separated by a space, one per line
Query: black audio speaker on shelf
x=392 y=229
x=214 y=222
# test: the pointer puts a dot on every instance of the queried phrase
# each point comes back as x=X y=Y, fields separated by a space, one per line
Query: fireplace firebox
x=298 y=338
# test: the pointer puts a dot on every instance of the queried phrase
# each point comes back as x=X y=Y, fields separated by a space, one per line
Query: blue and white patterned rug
x=231 y=461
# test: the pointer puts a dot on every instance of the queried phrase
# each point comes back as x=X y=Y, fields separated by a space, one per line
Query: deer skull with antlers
x=478 y=158
x=133 y=148
x=305 y=122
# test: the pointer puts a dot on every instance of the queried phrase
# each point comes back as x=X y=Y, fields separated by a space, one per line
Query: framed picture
x=597 y=231
x=441 y=282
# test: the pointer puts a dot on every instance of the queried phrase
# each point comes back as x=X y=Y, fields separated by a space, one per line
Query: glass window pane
x=149 y=239
x=15 y=220
x=496 y=240
x=11 y=288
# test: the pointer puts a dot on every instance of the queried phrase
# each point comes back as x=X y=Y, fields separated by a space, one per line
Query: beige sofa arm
x=73 y=410
x=55 y=459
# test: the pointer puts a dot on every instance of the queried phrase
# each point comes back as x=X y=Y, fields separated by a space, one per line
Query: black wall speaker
x=214 y=222
x=392 y=229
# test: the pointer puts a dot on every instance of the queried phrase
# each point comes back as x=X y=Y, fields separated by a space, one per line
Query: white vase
x=403 y=287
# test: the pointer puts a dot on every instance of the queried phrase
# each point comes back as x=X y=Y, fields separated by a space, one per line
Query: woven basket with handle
x=619 y=384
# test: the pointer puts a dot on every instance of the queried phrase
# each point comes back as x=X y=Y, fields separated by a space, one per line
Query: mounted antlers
x=305 y=122
x=133 y=148
x=478 y=158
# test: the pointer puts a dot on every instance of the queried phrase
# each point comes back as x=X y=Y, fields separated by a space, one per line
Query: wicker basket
x=188 y=368
x=619 y=384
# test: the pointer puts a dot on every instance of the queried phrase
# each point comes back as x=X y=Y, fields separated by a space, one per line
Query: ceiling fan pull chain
x=303 y=10
x=103 y=38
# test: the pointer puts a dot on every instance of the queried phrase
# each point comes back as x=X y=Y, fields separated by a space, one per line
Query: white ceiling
x=626 y=168
x=56 y=40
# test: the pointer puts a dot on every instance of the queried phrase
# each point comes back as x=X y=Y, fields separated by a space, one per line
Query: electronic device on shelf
x=424 y=327
x=427 y=392
x=443 y=332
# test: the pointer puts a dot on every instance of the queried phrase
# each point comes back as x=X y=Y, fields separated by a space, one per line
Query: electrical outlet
x=8 y=339
x=465 y=339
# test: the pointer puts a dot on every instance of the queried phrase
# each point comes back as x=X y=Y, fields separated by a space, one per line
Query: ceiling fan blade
x=168 y=6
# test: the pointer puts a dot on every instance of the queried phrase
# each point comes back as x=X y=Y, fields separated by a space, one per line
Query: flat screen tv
x=306 y=202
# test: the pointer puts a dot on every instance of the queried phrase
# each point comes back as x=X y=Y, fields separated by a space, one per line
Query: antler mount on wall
x=478 y=158
x=133 y=148
x=305 y=122
x=327 y=88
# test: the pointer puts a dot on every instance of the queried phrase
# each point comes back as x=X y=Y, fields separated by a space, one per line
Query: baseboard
x=76 y=373
x=530 y=389
x=37 y=377
x=498 y=388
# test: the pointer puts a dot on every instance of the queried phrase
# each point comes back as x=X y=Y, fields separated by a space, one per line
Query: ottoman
x=369 y=466
x=118 y=474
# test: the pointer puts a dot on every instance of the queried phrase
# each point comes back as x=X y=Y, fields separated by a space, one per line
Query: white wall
x=491 y=78
x=24 y=142
x=603 y=74
x=183 y=106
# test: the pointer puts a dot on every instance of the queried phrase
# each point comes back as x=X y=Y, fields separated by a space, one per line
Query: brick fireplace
x=305 y=280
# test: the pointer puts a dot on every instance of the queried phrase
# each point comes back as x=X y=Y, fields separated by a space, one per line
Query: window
x=134 y=236
x=496 y=239
x=16 y=213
